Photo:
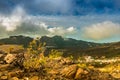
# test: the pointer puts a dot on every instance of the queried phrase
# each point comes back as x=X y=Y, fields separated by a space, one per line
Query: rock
x=3 y=78
x=14 y=78
x=12 y=74
x=5 y=73
x=69 y=71
x=66 y=61
x=2 y=56
x=79 y=72
x=97 y=75
x=53 y=72
x=25 y=78
x=1 y=74
x=1 y=62
x=9 y=58
x=19 y=60
x=86 y=72
x=4 y=66
x=116 y=75
x=34 y=78
x=15 y=73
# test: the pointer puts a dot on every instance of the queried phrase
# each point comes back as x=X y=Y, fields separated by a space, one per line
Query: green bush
x=98 y=64
x=34 y=59
x=55 y=54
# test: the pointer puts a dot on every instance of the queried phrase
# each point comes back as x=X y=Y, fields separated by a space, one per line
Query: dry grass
x=7 y=48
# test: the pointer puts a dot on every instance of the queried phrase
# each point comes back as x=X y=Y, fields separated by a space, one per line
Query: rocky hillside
x=69 y=46
x=19 y=40
x=54 y=68
x=108 y=50
x=60 y=42
x=55 y=41
x=31 y=64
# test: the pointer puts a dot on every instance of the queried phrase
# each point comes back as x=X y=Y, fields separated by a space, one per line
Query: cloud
x=61 y=31
x=62 y=7
x=47 y=7
x=11 y=22
x=21 y=23
x=102 y=30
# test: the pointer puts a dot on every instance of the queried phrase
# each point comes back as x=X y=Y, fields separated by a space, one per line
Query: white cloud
x=19 y=22
x=61 y=31
x=11 y=22
x=71 y=29
x=102 y=30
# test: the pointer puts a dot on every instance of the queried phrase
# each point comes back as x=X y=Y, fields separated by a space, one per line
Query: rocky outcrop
x=69 y=71
x=53 y=69
x=80 y=72
x=9 y=58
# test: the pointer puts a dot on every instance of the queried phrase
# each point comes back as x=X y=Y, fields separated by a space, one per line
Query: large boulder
x=9 y=58
x=2 y=55
x=3 y=78
x=34 y=78
x=15 y=59
x=14 y=78
x=80 y=72
x=69 y=71
x=19 y=60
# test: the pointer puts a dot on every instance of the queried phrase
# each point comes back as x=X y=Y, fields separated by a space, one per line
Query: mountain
x=78 y=48
x=61 y=42
x=19 y=40
x=55 y=41
x=69 y=46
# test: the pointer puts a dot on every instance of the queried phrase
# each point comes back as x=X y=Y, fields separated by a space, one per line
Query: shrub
x=71 y=57
x=98 y=64
x=34 y=61
x=82 y=65
x=55 y=54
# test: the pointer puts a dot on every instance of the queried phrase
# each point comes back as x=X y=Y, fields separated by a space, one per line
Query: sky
x=89 y=20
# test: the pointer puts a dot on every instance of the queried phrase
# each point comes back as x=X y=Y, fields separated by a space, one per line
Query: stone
x=14 y=78
x=53 y=72
x=66 y=61
x=5 y=73
x=1 y=62
x=1 y=55
x=69 y=71
x=79 y=72
x=25 y=78
x=15 y=73
x=9 y=58
x=12 y=74
x=86 y=72
x=1 y=73
x=3 y=78
x=34 y=78
x=19 y=60
x=116 y=75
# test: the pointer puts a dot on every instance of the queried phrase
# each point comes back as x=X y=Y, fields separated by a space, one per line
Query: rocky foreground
x=58 y=68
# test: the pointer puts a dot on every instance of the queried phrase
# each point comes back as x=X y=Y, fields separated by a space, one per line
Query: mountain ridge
x=69 y=46
x=56 y=41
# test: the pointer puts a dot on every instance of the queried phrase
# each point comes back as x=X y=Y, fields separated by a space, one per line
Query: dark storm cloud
x=62 y=7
